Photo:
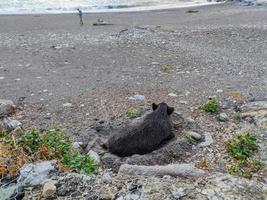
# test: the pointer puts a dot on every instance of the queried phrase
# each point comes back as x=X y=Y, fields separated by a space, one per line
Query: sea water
x=68 y=6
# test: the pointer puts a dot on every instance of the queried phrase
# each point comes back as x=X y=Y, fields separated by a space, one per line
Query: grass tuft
x=242 y=149
x=166 y=68
x=133 y=113
x=212 y=105
x=23 y=147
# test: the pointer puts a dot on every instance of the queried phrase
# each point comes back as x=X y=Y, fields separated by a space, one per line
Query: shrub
x=133 y=113
x=242 y=148
x=211 y=106
x=166 y=68
x=55 y=144
x=237 y=116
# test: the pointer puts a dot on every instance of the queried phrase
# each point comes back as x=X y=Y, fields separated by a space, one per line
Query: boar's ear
x=154 y=106
x=170 y=110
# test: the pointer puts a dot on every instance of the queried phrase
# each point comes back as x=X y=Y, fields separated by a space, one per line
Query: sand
x=49 y=60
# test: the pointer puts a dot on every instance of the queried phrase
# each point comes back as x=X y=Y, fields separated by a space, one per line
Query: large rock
x=13 y=191
x=221 y=186
x=257 y=110
x=7 y=107
x=183 y=170
x=36 y=174
x=94 y=156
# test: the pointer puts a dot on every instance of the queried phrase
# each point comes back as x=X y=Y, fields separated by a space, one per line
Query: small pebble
x=172 y=95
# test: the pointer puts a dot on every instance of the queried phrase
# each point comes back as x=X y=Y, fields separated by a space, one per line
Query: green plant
x=166 y=68
x=79 y=163
x=242 y=148
x=133 y=113
x=57 y=140
x=237 y=116
x=55 y=144
x=211 y=105
x=30 y=140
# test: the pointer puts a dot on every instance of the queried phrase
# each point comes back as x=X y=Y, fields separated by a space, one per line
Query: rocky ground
x=81 y=78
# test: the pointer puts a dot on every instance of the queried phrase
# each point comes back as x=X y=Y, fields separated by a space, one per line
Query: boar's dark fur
x=145 y=136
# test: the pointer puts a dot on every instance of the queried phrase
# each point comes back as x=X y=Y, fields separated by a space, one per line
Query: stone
x=77 y=145
x=36 y=174
x=177 y=193
x=67 y=105
x=137 y=97
x=7 y=107
x=106 y=178
x=208 y=140
x=132 y=197
x=94 y=156
x=223 y=117
x=10 y=124
x=195 y=135
x=176 y=170
x=111 y=161
x=49 y=189
x=172 y=95
x=13 y=191
x=256 y=110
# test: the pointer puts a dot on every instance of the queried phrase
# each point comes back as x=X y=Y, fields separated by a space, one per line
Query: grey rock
x=7 y=107
x=265 y=134
x=36 y=174
x=132 y=197
x=67 y=105
x=111 y=161
x=177 y=193
x=13 y=191
x=175 y=170
x=10 y=124
x=195 y=135
x=77 y=145
x=106 y=178
x=254 y=106
x=223 y=117
x=94 y=156
x=208 y=140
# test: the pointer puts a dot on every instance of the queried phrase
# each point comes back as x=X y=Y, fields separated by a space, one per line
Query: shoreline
x=122 y=10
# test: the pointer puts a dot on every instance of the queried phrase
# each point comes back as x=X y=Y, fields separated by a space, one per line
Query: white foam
x=70 y=6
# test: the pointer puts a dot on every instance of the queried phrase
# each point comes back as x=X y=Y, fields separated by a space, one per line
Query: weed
x=166 y=68
x=30 y=146
x=57 y=140
x=211 y=105
x=30 y=140
x=133 y=113
x=242 y=148
x=79 y=163
x=237 y=116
